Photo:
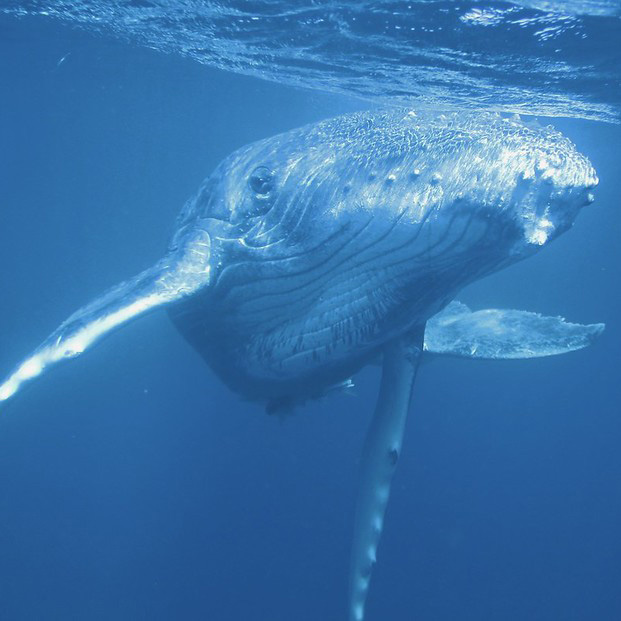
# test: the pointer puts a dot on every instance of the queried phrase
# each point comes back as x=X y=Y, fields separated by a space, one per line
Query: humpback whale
x=306 y=256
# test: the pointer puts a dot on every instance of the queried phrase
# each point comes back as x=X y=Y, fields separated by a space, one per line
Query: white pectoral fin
x=381 y=452
x=495 y=334
x=182 y=272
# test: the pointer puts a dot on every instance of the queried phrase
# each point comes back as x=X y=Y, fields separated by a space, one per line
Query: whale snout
x=587 y=180
x=555 y=181
x=574 y=177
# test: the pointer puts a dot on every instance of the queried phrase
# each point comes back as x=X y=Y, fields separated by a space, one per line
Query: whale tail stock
x=183 y=271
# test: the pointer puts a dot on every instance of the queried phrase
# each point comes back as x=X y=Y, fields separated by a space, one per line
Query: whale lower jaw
x=283 y=372
x=279 y=392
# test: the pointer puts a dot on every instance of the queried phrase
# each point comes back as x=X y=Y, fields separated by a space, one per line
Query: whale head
x=330 y=239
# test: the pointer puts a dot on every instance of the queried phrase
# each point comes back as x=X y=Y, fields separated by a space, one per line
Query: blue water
x=133 y=485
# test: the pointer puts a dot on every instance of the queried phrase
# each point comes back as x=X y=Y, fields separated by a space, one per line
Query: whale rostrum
x=306 y=256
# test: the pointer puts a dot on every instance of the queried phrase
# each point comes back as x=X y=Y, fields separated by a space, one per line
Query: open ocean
x=135 y=486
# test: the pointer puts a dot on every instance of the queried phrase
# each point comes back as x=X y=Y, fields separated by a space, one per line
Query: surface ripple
x=554 y=58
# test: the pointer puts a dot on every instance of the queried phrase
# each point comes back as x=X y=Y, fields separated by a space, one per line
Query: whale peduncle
x=379 y=460
x=182 y=272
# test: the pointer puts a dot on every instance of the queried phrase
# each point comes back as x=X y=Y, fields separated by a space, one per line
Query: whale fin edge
x=504 y=334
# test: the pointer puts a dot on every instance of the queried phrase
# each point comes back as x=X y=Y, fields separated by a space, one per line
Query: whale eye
x=261 y=180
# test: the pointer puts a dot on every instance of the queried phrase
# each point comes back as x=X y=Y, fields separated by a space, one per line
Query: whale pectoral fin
x=182 y=272
x=495 y=334
x=381 y=452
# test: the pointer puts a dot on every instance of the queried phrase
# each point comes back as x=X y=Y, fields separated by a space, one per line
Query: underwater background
x=134 y=485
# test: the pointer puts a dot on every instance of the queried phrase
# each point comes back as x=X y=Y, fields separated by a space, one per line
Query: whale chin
x=277 y=392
